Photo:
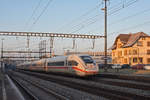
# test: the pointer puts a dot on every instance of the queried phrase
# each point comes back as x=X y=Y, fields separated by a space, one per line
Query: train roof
x=54 y=59
x=25 y=63
x=57 y=58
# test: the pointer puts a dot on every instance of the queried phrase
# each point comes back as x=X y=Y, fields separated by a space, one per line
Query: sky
x=71 y=16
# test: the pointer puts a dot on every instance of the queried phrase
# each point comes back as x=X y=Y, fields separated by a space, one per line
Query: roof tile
x=128 y=39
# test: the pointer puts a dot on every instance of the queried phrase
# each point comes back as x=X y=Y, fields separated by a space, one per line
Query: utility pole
x=105 y=32
x=74 y=43
x=2 y=56
x=51 y=45
x=2 y=49
x=28 y=46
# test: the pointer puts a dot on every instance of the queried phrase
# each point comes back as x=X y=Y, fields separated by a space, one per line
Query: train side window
x=52 y=64
x=49 y=64
x=72 y=63
x=60 y=63
x=33 y=64
x=56 y=64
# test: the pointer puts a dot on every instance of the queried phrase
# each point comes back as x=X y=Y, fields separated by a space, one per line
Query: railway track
x=25 y=89
x=35 y=96
x=75 y=95
x=117 y=80
x=126 y=77
x=124 y=83
x=94 y=88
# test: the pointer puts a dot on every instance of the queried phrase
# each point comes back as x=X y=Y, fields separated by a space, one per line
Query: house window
x=130 y=60
x=134 y=52
x=125 y=52
x=125 y=60
x=56 y=63
x=143 y=38
x=129 y=52
x=148 y=52
x=141 y=60
x=120 y=53
x=148 y=60
x=148 y=43
x=139 y=43
x=114 y=61
x=134 y=60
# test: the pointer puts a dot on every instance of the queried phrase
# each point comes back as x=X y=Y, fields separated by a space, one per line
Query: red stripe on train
x=84 y=70
x=75 y=68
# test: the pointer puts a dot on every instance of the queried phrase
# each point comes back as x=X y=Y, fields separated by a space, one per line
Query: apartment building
x=131 y=49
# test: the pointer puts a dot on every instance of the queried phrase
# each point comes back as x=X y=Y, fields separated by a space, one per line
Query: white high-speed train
x=80 y=65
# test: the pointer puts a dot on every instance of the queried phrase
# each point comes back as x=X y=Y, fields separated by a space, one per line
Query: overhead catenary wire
x=126 y=4
x=84 y=23
x=80 y=17
x=131 y=27
x=129 y=3
x=33 y=13
x=83 y=26
x=130 y=16
x=43 y=11
x=116 y=5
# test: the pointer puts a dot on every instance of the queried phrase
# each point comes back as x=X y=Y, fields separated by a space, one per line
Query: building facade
x=131 y=49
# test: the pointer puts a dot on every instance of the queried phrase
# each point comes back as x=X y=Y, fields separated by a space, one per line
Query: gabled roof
x=124 y=37
x=128 y=39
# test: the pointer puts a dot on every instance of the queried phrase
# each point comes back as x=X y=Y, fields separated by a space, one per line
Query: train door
x=68 y=65
x=72 y=64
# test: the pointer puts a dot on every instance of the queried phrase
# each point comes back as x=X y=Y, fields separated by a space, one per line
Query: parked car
x=116 y=66
x=109 y=66
x=147 y=67
x=125 y=66
x=138 y=66
x=101 y=65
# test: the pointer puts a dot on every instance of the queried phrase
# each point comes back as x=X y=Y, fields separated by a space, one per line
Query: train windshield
x=87 y=59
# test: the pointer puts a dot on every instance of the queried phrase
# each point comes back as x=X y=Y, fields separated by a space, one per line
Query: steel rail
x=30 y=94
x=108 y=93
x=123 y=84
x=60 y=97
x=126 y=77
x=47 y=90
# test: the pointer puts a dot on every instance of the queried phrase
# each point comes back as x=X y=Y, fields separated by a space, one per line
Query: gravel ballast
x=73 y=94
